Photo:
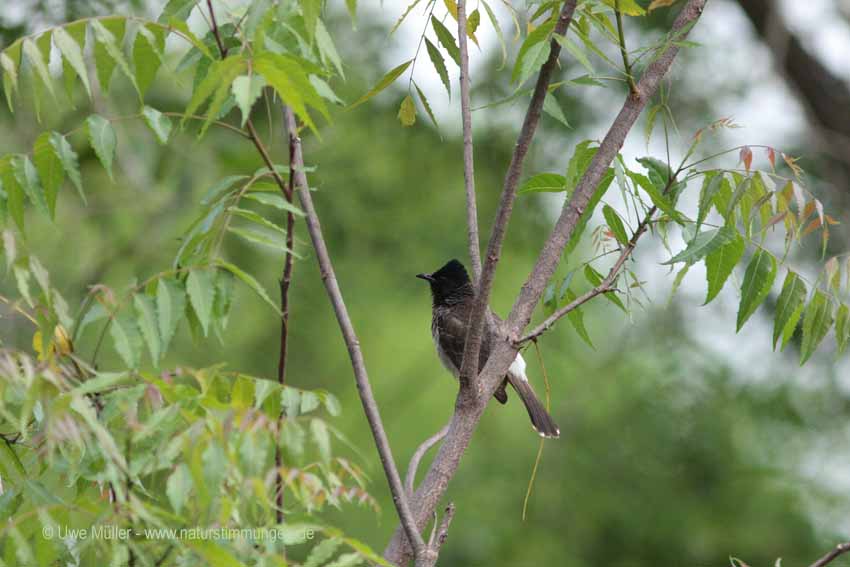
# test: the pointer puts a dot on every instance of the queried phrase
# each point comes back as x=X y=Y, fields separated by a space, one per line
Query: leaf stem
x=623 y=51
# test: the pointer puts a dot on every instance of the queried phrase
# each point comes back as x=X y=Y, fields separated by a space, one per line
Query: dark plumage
x=453 y=299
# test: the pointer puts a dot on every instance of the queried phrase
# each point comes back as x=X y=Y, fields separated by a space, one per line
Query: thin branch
x=214 y=26
x=469 y=368
x=839 y=549
x=426 y=445
x=370 y=407
x=623 y=51
x=467 y=415
x=468 y=161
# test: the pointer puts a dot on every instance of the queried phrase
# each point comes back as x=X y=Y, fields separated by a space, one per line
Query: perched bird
x=453 y=299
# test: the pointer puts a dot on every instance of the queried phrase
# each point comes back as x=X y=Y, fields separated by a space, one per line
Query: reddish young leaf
x=778 y=218
x=747 y=157
x=771 y=157
x=813 y=226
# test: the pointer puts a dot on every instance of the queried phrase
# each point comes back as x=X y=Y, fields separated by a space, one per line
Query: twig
x=216 y=34
x=469 y=368
x=426 y=445
x=370 y=407
x=542 y=439
x=468 y=160
x=466 y=416
x=623 y=51
x=839 y=549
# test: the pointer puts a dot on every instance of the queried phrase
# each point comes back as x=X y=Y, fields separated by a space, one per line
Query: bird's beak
x=426 y=277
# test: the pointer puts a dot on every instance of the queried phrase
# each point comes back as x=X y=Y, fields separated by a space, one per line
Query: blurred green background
x=682 y=444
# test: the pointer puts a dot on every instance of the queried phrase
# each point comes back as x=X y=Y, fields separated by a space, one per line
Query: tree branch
x=468 y=409
x=469 y=367
x=839 y=549
x=410 y=479
x=468 y=169
x=370 y=407
x=623 y=51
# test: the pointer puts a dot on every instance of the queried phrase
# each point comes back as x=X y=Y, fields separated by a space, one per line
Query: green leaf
x=109 y=35
x=576 y=52
x=544 y=182
x=710 y=186
x=385 y=81
x=220 y=72
x=322 y=553
x=170 y=306
x=600 y=191
x=73 y=53
x=532 y=53
x=250 y=281
x=495 y=22
x=789 y=306
x=816 y=324
x=657 y=198
x=576 y=317
x=275 y=242
x=50 y=170
x=126 y=338
x=146 y=318
x=594 y=278
x=407 y=112
x=14 y=192
x=291 y=83
x=147 y=54
x=159 y=124
x=703 y=244
x=446 y=39
x=274 y=200
x=740 y=191
x=10 y=71
x=102 y=139
x=757 y=282
x=27 y=178
x=424 y=102
x=246 y=90
x=70 y=164
x=201 y=289
x=179 y=9
x=627 y=7
x=579 y=162
x=319 y=431
x=439 y=64
x=34 y=56
x=553 y=109
x=327 y=49
x=842 y=328
x=616 y=225
x=178 y=487
x=720 y=264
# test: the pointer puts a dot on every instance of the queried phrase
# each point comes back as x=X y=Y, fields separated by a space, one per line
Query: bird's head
x=450 y=283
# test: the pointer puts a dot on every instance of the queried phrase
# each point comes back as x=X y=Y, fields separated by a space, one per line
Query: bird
x=453 y=299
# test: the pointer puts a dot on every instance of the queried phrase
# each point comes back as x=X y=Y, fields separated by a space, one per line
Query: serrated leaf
x=425 y=105
x=532 y=53
x=403 y=16
x=27 y=178
x=720 y=264
x=407 y=112
x=553 y=109
x=291 y=83
x=259 y=237
x=109 y=36
x=159 y=123
x=385 y=81
x=250 y=281
x=594 y=278
x=576 y=52
x=10 y=73
x=73 y=53
x=446 y=39
x=246 y=90
x=147 y=52
x=612 y=219
x=657 y=198
x=576 y=317
x=439 y=64
x=816 y=324
x=325 y=91
x=14 y=192
x=322 y=552
x=224 y=71
x=179 y=9
x=327 y=49
x=789 y=304
x=495 y=22
x=758 y=280
x=544 y=182
x=37 y=61
x=170 y=306
x=709 y=189
x=68 y=157
x=49 y=168
x=201 y=289
x=703 y=244
x=740 y=190
x=842 y=328
x=598 y=194
x=126 y=338
x=146 y=319
x=102 y=138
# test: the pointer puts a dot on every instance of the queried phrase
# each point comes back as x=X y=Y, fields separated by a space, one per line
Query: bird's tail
x=540 y=418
